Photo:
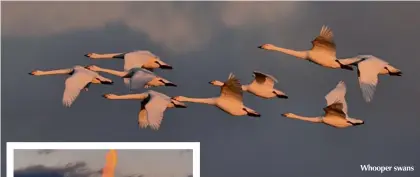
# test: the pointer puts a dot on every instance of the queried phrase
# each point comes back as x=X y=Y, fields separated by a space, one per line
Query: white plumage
x=153 y=106
x=80 y=79
x=139 y=58
x=337 y=95
x=368 y=75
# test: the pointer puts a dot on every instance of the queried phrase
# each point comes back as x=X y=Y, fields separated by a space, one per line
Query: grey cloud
x=178 y=26
x=45 y=151
x=78 y=169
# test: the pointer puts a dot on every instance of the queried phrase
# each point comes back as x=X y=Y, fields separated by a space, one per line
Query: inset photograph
x=103 y=159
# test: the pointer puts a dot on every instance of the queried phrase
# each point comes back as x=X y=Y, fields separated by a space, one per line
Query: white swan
x=230 y=99
x=139 y=78
x=368 y=68
x=80 y=79
x=335 y=112
x=323 y=51
x=140 y=58
x=153 y=106
x=262 y=86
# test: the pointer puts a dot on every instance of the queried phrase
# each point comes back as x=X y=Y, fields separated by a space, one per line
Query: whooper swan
x=139 y=78
x=323 y=51
x=80 y=79
x=262 y=86
x=368 y=69
x=153 y=106
x=139 y=58
x=335 y=112
x=230 y=99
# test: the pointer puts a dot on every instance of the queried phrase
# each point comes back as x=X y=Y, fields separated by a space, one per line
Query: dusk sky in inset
x=169 y=163
x=205 y=41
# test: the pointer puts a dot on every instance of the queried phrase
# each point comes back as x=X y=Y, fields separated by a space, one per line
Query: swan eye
x=160 y=80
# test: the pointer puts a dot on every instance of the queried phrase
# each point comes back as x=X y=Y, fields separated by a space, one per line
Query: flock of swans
x=138 y=75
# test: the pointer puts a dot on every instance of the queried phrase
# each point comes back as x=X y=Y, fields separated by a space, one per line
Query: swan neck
x=127 y=97
x=113 y=72
x=210 y=101
x=55 y=72
x=298 y=54
x=107 y=55
x=304 y=118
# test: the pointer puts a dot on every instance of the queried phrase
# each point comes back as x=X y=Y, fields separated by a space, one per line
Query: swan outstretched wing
x=265 y=79
x=142 y=119
x=156 y=108
x=325 y=40
x=368 y=71
x=75 y=83
x=335 y=110
x=140 y=78
x=232 y=89
x=137 y=59
x=337 y=95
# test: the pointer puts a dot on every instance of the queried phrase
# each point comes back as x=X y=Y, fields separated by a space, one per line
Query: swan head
x=178 y=104
x=179 y=98
x=35 y=73
x=105 y=81
x=161 y=64
x=109 y=96
x=267 y=46
x=216 y=83
x=92 y=55
x=251 y=112
x=93 y=68
x=166 y=82
x=289 y=115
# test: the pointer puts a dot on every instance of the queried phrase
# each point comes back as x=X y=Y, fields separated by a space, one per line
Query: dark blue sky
x=205 y=41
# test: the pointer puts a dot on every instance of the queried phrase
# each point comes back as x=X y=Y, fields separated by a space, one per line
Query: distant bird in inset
x=80 y=79
x=335 y=112
x=139 y=58
x=153 y=106
x=262 y=86
x=139 y=78
x=368 y=69
x=323 y=51
x=230 y=99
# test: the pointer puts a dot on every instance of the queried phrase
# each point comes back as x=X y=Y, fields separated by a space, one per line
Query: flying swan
x=230 y=99
x=323 y=51
x=335 y=112
x=80 y=79
x=368 y=68
x=139 y=58
x=153 y=106
x=139 y=78
x=262 y=86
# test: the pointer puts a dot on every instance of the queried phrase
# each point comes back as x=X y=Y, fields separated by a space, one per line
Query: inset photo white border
x=11 y=146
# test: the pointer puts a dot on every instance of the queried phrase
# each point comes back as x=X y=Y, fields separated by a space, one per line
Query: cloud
x=185 y=151
x=78 y=169
x=45 y=151
x=178 y=26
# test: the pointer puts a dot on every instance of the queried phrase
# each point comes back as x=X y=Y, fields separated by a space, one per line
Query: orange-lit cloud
x=111 y=162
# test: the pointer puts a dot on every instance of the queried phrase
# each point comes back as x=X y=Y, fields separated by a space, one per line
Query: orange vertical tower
x=111 y=162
